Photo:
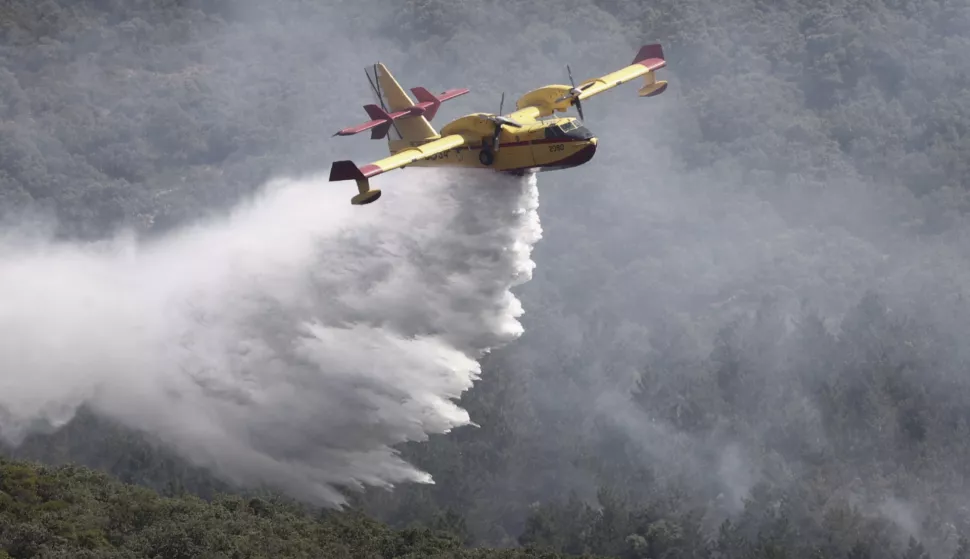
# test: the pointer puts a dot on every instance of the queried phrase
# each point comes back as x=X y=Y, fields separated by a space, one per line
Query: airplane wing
x=552 y=98
x=347 y=170
x=647 y=60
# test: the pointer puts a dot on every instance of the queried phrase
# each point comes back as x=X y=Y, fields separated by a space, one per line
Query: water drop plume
x=291 y=343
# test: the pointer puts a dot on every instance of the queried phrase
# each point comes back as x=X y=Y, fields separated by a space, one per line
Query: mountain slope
x=70 y=511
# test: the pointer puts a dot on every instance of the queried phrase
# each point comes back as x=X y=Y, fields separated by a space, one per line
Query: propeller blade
x=575 y=92
x=500 y=120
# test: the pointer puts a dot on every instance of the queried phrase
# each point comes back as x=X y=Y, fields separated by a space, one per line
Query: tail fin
x=391 y=97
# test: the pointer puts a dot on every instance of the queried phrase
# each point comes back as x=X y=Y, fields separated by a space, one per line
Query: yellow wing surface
x=649 y=59
x=347 y=170
x=553 y=98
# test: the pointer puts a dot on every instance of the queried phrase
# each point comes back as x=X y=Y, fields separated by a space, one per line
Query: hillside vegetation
x=72 y=511
x=746 y=333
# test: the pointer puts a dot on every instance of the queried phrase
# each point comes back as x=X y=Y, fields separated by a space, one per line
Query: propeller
x=573 y=94
x=498 y=120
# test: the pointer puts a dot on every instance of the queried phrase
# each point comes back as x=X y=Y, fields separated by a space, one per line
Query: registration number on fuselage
x=557 y=147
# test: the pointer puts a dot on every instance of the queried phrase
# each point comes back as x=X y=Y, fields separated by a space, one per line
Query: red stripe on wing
x=651 y=57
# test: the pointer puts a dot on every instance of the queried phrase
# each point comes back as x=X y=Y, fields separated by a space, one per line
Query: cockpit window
x=554 y=132
x=579 y=133
x=569 y=129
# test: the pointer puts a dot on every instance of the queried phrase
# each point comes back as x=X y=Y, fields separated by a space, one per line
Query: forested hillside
x=745 y=335
x=75 y=512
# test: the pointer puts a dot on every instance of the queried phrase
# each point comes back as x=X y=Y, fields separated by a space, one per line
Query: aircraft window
x=554 y=131
x=580 y=133
x=568 y=125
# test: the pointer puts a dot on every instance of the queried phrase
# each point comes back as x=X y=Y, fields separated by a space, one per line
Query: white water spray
x=290 y=344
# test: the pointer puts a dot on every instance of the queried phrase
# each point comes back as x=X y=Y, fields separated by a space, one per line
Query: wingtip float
x=529 y=139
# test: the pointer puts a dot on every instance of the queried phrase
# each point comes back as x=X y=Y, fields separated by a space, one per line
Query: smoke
x=291 y=343
x=702 y=206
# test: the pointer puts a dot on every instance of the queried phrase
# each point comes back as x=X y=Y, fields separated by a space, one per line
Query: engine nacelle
x=545 y=99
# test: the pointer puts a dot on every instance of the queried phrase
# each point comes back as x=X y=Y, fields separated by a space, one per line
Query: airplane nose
x=586 y=153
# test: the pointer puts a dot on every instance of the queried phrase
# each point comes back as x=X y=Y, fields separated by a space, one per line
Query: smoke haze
x=788 y=171
x=700 y=317
x=291 y=343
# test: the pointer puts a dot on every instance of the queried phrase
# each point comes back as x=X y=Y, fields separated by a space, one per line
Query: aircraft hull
x=518 y=157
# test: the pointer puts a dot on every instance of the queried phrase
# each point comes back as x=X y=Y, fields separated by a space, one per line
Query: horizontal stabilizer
x=383 y=120
x=427 y=107
x=380 y=124
x=431 y=101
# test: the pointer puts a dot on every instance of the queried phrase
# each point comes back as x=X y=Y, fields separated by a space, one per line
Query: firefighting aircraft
x=530 y=139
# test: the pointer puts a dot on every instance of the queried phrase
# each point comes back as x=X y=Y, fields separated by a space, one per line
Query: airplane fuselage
x=529 y=139
x=544 y=145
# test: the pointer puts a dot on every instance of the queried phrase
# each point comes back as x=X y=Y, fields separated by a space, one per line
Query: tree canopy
x=744 y=332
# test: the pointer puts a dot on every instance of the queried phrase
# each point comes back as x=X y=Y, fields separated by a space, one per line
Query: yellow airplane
x=530 y=139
